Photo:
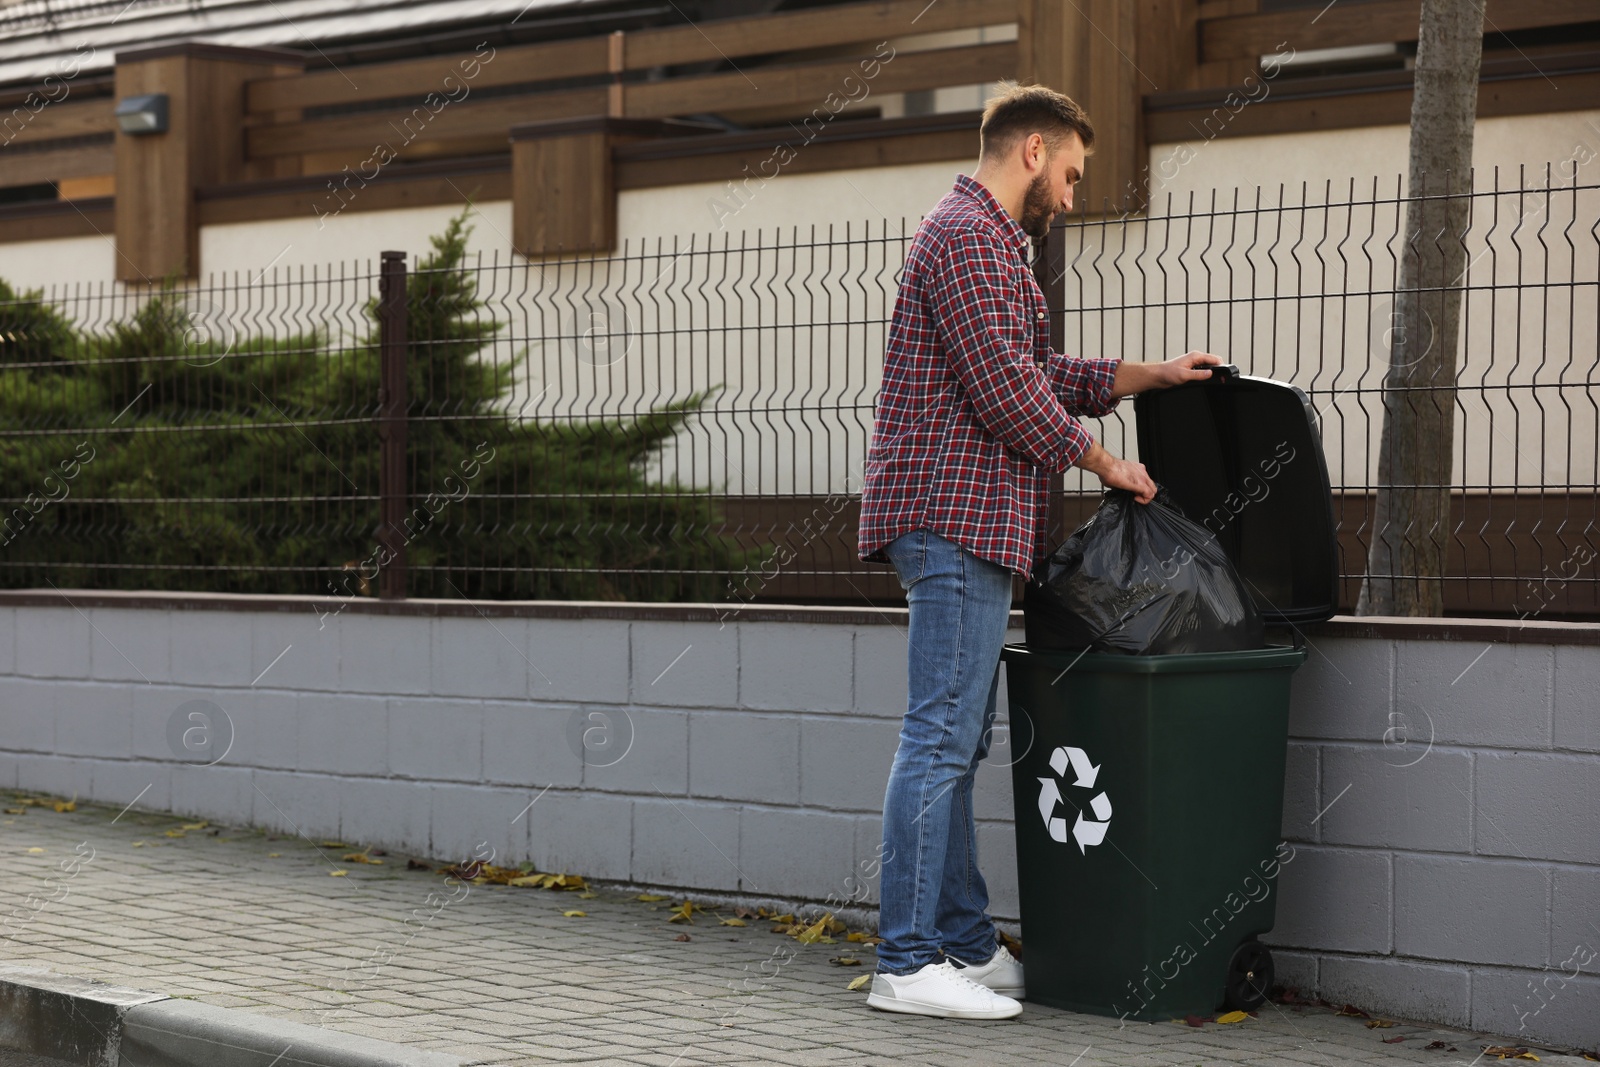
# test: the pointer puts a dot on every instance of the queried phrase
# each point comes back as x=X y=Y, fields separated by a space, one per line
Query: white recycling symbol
x=1085 y=831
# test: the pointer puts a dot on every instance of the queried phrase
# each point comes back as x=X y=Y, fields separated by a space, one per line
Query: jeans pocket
x=909 y=554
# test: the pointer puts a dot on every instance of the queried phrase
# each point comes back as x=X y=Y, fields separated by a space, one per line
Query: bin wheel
x=1250 y=974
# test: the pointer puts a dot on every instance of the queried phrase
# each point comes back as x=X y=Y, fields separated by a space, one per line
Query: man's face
x=1050 y=191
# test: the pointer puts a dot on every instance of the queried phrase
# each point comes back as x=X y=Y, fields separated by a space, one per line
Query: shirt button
x=1040 y=316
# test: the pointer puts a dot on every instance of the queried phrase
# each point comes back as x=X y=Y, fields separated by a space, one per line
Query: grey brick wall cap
x=1499 y=631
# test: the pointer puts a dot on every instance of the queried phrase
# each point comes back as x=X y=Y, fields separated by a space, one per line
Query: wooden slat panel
x=56 y=121
x=156 y=234
x=816 y=28
x=808 y=85
x=562 y=194
x=1387 y=108
x=53 y=219
x=48 y=165
x=1216 y=9
x=1085 y=50
x=387 y=194
x=359 y=134
x=1250 y=36
x=417 y=77
x=217 y=87
x=707 y=40
x=1531 y=94
x=819 y=157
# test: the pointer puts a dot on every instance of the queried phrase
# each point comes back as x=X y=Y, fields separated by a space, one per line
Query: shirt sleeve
x=981 y=324
x=1084 y=385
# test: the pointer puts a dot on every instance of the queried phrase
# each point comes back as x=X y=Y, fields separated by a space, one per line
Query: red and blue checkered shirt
x=975 y=408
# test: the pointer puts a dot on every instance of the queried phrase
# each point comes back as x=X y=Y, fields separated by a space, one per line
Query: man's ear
x=1034 y=152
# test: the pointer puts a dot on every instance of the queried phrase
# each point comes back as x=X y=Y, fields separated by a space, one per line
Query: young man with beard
x=974 y=412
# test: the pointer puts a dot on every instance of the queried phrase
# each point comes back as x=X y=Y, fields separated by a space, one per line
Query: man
x=974 y=411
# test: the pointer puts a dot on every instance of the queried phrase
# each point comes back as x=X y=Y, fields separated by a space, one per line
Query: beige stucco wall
x=1337 y=158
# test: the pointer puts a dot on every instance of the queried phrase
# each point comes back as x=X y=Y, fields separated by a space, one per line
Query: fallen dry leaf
x=337 y=874
x=174 y=833
x=67 y=805
x=845 y=961
x=574 y=914
x=587 y=894
x=1197 y=1021
x=1509 y=1052
x=1440 y=1045
x=650 y=898
x=274 y=855
x=742 y=912
x=814 y=933
x=1233 y=1017
x=334 y=844
x=1394 y=1040
x=16 y=811
x=733 y=922
x=684 y=914
x=413 y=865
x=682 y=937
x=1352 y=1011
x=201 y=825
x=35 y=850
x=464 y=872
x=138 y=844
x=361 y=857
x=492 y=875
x=859 y=983
x=1379 y=1024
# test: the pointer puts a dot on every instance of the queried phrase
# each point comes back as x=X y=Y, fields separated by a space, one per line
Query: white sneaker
x=939 y=989
x=1003 y=973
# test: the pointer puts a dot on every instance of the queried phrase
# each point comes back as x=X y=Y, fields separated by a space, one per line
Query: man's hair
x=1019 y=110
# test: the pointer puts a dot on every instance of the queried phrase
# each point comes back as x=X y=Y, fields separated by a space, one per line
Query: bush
x=149 y=456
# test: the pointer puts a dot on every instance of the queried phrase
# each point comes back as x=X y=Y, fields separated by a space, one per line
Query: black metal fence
x=688 y=421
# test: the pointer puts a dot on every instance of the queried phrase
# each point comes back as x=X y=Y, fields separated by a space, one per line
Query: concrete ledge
x=64 y=1018
x=97 y=1025
x=1500 y=631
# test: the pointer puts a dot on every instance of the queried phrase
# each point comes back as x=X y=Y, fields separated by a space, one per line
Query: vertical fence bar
x=392 y=425
x=1050 y=271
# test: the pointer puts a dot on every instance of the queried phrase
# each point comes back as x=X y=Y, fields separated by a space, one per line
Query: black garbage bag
x=1140 y=579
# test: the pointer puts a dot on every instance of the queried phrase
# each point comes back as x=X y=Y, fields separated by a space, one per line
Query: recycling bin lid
x=1242 y=456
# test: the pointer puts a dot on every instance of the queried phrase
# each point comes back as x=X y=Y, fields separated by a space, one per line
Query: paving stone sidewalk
x=238 y=919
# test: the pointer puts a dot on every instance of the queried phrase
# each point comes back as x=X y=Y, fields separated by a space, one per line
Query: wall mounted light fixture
x=142 y=114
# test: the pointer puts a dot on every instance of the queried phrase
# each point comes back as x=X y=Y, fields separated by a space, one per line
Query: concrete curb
x=98 y=1025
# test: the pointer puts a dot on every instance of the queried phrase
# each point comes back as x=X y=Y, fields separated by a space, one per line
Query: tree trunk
x=1411 y=530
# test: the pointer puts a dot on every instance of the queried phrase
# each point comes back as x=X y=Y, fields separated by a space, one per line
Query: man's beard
x=1038 y=208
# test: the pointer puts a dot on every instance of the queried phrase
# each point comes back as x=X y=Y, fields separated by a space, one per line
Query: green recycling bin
x=1149 y=790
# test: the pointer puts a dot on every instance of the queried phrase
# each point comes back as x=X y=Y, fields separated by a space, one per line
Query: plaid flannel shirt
x=975 y=409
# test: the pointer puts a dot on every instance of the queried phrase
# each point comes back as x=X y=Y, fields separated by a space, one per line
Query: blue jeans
x=931 y=893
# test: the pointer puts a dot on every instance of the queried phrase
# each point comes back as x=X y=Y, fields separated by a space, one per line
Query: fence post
x=1050 y=271
x=392 y=500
